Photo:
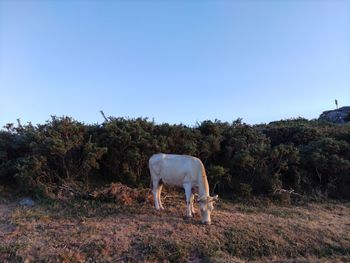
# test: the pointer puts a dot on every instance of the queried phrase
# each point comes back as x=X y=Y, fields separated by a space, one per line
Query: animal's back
x=175 y=169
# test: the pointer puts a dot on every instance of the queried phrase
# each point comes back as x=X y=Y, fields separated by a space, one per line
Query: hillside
x=89 y=231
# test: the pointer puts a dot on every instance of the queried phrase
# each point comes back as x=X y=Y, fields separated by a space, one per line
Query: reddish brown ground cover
x=96 y=231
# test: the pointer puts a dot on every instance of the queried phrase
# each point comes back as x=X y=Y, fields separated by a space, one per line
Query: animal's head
x=206 y=206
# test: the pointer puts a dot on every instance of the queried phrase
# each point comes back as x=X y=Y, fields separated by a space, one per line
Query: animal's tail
x=154 y=165
x=150 y=183
x=150 y=180
x=204 y=178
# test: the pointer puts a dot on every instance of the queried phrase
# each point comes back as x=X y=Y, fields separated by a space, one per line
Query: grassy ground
x=91 y=231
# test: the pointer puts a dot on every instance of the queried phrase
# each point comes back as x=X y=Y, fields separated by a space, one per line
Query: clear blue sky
x=174 y=61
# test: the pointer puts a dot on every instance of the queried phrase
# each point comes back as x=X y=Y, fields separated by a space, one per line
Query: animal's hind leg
x=160 y=186
x=155 y=191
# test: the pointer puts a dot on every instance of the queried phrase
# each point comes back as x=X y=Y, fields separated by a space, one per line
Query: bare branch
x=19 y=122
x=173 y=196
x=103 y=115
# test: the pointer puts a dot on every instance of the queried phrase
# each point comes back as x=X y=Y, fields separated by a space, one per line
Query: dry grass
x=93 y=231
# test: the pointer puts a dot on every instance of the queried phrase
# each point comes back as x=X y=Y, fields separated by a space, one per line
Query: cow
x=183 y=171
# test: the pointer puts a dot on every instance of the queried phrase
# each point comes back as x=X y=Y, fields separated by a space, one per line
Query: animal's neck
x=203 y=186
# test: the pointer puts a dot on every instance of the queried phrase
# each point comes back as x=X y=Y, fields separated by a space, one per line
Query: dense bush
x=310 y=157
x=61 y=152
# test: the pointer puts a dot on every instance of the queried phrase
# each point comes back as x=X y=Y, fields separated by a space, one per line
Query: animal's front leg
x=188 y=193
x=192 y=201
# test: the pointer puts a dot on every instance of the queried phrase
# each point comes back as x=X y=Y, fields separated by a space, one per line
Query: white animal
x=186 y=171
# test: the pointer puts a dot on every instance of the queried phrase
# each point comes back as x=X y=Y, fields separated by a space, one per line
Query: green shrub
x=59 y=152
x=310 y=157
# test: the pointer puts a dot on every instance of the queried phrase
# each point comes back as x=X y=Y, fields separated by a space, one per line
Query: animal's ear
x=196 y=196
x=214 y=198
x=202 y=199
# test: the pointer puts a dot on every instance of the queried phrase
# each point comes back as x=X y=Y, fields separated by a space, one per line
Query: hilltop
x=341 y=115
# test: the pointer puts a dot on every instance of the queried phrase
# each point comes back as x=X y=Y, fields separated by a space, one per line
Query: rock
x=27 y=202
x=341 y=115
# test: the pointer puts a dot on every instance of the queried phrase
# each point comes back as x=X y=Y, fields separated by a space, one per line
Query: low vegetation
x=310 y=157
x=95 y=231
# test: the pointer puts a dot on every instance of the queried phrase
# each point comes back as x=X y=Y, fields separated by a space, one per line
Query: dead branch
x=70 y=189
x=173 y=196
x=103 y=115
x=290 y=192
x=19 y=123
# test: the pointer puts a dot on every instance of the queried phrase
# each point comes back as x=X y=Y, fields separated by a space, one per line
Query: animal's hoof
x=207 y=223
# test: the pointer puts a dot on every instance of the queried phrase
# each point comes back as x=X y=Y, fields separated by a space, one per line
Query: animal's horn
x=214 y=198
